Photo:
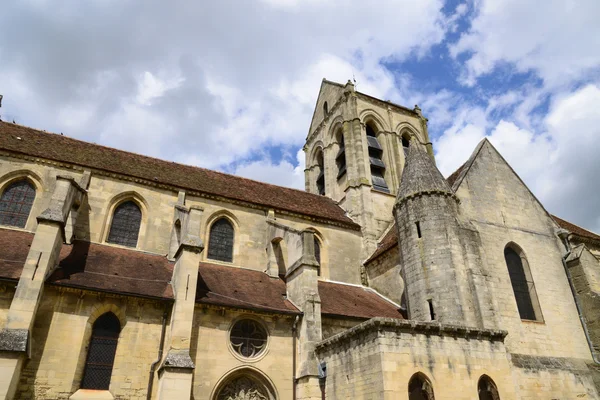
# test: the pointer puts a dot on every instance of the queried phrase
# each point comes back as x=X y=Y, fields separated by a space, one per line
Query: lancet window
x=125 y=226
x=220 y=243
x=16 y=203
x=340 y=158
x=522 y=283
x=101 y=352
x=376 y=161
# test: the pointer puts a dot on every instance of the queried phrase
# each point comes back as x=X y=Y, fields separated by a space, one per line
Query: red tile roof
x=111 y=269
x=241 y=288
x=339 y=299
x=576 y=230
x=389 y=241
x=14 y=247
x=20 y=139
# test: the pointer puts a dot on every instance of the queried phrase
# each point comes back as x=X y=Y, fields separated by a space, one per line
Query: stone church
x=128 y=277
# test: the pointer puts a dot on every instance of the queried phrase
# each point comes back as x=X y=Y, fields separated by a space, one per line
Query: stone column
x=176 y=371
x=303 y=291
x=15 y=337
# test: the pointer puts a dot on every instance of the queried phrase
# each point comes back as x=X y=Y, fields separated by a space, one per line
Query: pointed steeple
x=421 y=176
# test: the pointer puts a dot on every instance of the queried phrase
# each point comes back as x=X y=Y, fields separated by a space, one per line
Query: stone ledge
x=14 y=340
x=379 y=324
x=89 y=394
x=178 y=359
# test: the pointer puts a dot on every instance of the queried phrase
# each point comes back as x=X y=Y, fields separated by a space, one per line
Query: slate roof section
x=23 y=140
x=575 y=229
x=342 y=300
x=14 y=247
x=421 y=176
x=111 y=269
x=389 y=241
x=242 y=288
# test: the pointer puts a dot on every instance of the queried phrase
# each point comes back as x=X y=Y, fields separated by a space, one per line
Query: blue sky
x=231 y=85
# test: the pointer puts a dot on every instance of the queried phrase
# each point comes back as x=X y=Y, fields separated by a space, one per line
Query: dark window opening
x=405 y=144
x=376 y=161
x=418 y=229
x=419 y=388
x=321 y=175
x=318 y=255
x=522 y=287
x=125 y=226
x=487 y=390
x=101 y=352
x=16 y=203
x=340 y=158
x=431 y=312
x=325 y=108
x=220 y=242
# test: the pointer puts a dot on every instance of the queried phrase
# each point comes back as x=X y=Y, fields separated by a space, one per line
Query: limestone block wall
x=383 y=204
x=503 y=210
x=7 y=292
x=61 y=334
x=331 y=326
x=376 y=360
x=215 y=359
x=384 y=275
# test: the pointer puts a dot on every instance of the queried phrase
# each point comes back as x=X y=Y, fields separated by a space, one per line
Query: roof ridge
x=163 y=160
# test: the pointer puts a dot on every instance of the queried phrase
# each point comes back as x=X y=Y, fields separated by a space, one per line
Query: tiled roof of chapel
x=31 y=142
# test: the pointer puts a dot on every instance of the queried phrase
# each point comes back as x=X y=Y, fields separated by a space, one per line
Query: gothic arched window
x=522 y=283
x=220 y=243
x=318 y=254
x=419 y=388
x=321 y=174
x=101 y=352
x=376 y=161
x=125 y=226
x=486 y=389
x=405 y=144
x=340 y=158
x=15 y=204
x=245 y=384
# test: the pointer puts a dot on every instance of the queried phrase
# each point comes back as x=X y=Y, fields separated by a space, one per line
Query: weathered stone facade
x=430 y=311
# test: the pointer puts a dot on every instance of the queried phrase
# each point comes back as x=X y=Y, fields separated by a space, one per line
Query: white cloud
x=554 y=39
x=559 y=163
x=282 y=173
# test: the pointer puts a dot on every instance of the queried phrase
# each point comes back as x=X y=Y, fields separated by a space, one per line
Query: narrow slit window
x=418 y=224
x=318 y=255
x=431 y=311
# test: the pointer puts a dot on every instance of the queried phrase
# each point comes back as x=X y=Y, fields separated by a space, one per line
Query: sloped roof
x=338 y=299
x=93 y=266
x=389 y=241
x=420 y=175
x=23 y=140
x=575 y=229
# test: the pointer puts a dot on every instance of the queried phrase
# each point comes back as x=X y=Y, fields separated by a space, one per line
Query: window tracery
x=419 y=388
x=220 y=242
x=486 y=389
x=248 y=338
x=243 y=388
x=16 y=203
x=125 y=226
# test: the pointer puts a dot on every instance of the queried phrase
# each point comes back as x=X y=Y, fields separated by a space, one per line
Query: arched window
x=376 y=161
x=245 y=384
x=220 y=243
x=340 y=158
x=419 y=388
x=16 y=203
x=101 y=352
x=318 y=255
x=522 y=283
x=125 y=226
x=321 y=175
x=405 y=144
x=486 y=388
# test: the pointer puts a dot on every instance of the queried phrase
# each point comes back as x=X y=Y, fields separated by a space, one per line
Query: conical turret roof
x=421 y=176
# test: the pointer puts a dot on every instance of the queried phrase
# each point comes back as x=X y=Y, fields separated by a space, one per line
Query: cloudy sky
x=231 y=85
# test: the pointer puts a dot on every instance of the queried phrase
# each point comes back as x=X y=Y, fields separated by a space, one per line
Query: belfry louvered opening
x=376 y=161
x=321 y=174
x=340 y=158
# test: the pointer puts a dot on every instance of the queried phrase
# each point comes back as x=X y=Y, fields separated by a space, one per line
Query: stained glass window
x=101 y=352
x=522 y=287
x=16 y=203
x=220 y=243
x=419 y=388
x=248 y=338
x=125 y=226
